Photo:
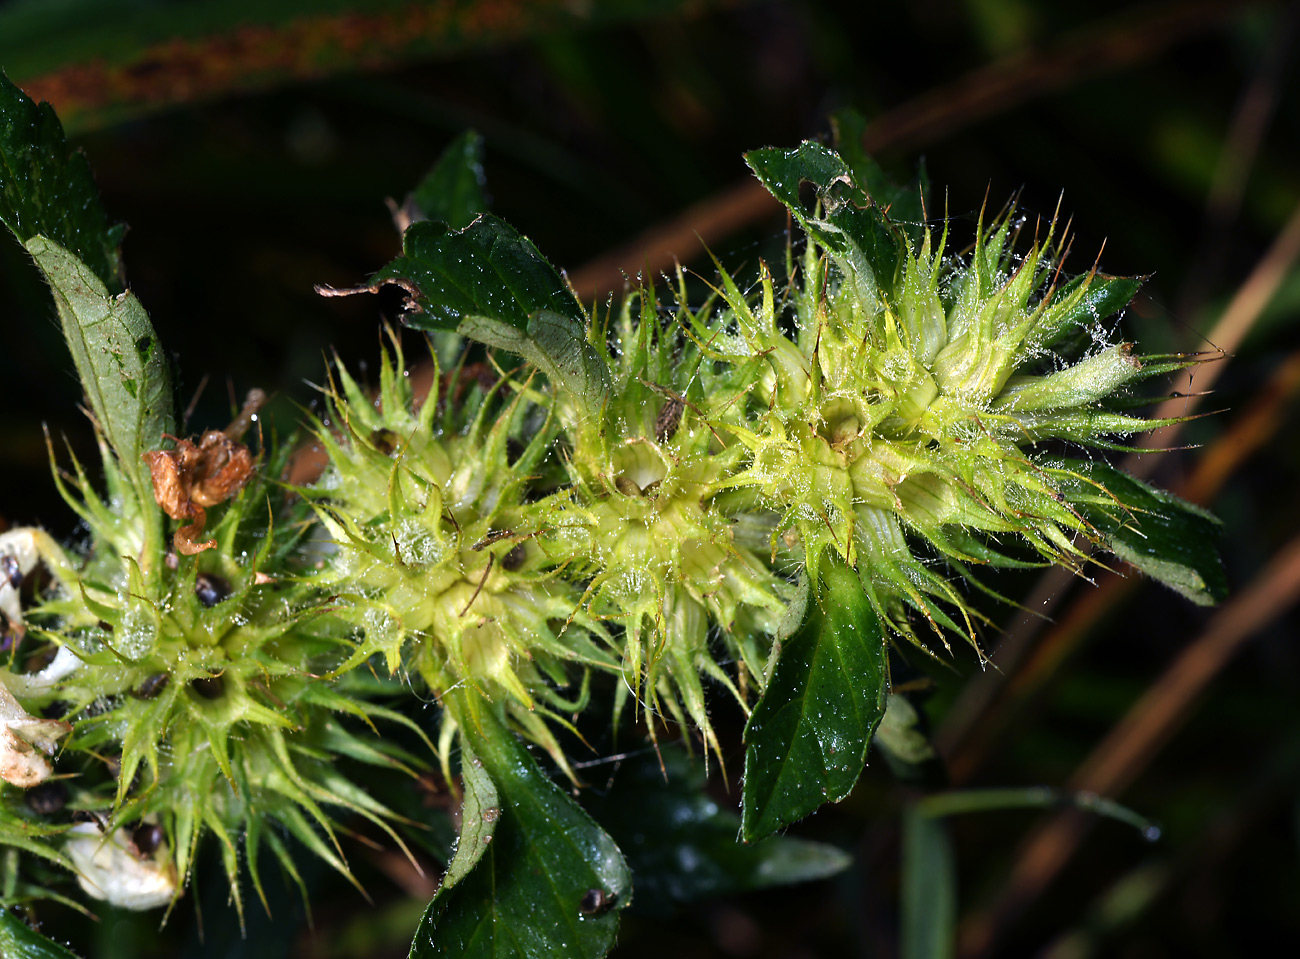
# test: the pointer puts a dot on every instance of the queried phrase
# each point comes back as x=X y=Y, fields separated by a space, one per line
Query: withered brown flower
x=192 y=477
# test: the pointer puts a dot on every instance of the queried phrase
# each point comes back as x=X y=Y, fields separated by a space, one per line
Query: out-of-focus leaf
x=682 y=847
x=118 y=358
x=489 y=283
x=806 y=740
x=18 y=941
x=551 y=882
x=1166 y=538
x=454 y=191
x=907 y=750
x=929 y=893
x=46 y=188
x=849 y=223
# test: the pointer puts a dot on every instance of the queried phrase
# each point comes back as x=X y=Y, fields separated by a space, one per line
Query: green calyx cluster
x=667 y=498
x=438 y=565
x=192 y=690
x=904 y=394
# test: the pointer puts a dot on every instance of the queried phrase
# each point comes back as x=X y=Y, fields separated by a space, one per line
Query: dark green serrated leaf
x=46 y=188
x=551 y=882
x=18 y=941
x=1104 y=297
x=682 y=847
x=454 y=191
x=849 y=223
x=928 y=928
x=118 y=358
x=1164 y=537
x=806 y=740
x=488 y=282
x=487 y=270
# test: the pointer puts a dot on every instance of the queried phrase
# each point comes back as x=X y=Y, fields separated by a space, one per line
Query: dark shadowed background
x=250 y=147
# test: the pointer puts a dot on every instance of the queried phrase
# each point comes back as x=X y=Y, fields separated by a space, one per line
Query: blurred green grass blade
x=958 y=802
x=46 y=187
x=550 y=884
x=17 y=941
x=806 y=740
x=454 y=191
x=929 y=893
x=682 y=846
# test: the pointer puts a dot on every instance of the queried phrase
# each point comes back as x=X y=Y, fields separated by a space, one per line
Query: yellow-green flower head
x=437 y=547
x=191 y=686
x=908 y=401
x=659 y=558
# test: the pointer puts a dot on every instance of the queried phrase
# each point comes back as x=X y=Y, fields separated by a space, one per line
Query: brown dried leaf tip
x=192 y=477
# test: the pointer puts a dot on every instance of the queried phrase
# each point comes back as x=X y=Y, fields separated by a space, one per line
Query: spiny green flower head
x=191 y=686
x=438 y=559
x=660 y=560
x=917 y=409
x=901 y=407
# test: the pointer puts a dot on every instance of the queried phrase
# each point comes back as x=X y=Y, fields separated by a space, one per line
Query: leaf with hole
x=488 y=282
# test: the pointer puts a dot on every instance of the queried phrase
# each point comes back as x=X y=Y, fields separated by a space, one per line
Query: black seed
x=514 y=559
x=210 y=589
x=47 y=798
x=148 y=837
x=210 y=687
x=596 y=901
x=384 y=440
x=105 y=625
x=151 y=687
x=669 y=418
x=11 y=571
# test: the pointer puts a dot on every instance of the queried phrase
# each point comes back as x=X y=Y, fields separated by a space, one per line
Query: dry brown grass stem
x=971 y=708
x=1125 y=752
x=980 y=94
x=968 y=738
x=1227 y=335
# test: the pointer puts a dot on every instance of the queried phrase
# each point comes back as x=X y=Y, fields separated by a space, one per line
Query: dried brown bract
x=192 y=477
